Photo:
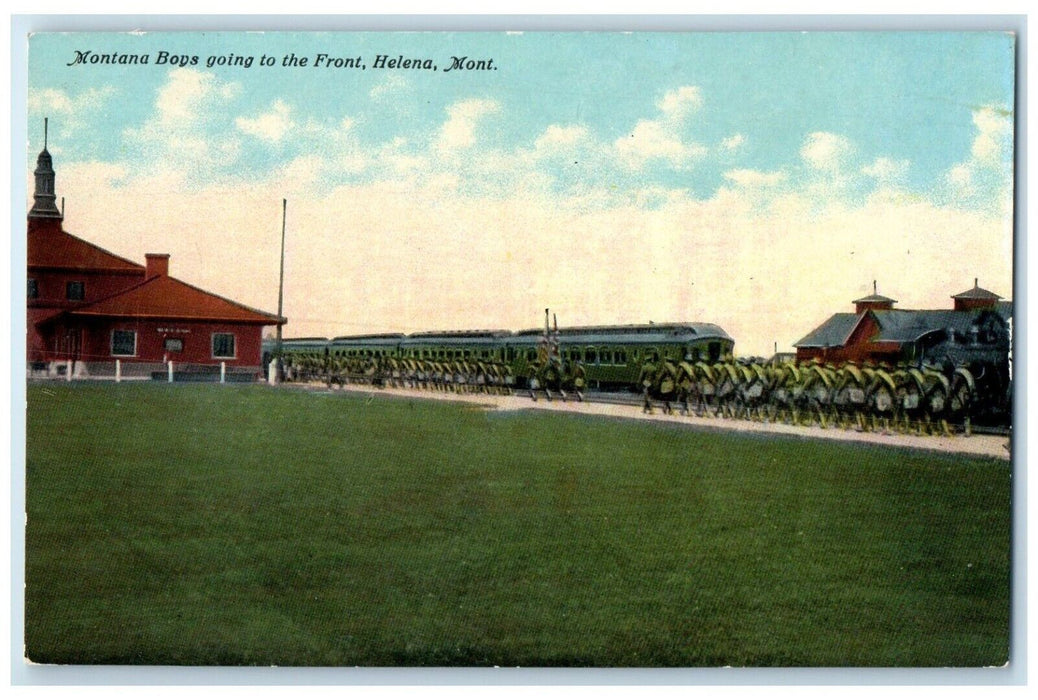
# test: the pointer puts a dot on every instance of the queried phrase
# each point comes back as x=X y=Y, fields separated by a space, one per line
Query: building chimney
x=156 y=265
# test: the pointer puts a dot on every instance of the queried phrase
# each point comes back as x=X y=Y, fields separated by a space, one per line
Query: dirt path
x=985 y=445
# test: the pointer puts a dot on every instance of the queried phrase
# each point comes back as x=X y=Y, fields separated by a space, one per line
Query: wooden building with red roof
x=978 y=327
x=87 y=307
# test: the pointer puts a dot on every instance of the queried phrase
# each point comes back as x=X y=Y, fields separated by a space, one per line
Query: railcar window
x=606 y=357
x=621 y=357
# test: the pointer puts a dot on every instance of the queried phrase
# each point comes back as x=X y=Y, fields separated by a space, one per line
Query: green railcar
x=602 y=357
x=449 y=346
x=612 y=357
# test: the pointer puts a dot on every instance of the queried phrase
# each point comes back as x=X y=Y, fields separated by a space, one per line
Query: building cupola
x=874 y=302
x=44 y=206
x=976 y=298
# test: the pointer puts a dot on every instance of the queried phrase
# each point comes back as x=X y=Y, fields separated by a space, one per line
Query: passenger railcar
x=605 y=357
x=612 y=357
x=442 y=346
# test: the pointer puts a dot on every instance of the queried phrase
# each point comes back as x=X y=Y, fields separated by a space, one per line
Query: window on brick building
x=223 y=346
x=34 y=290
x=74 y=291
x=124 y=343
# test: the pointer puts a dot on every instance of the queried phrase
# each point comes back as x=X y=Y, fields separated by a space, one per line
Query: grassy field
x=207 y=524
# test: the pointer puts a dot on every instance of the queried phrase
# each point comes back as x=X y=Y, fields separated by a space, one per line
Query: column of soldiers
x=866 y=397
x=460 y=376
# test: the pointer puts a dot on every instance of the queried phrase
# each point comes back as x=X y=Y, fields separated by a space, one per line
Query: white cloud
x=961 y=177
x=663 y=139
x=826 y=151
x=394 y=83
x=677 y=104
x=994 y=138
x=733 y=142
x=755 y=179
x=459 y=131
x=300 y=174
x=189 y=93
x=52 y=101
x=556 y=136
x=650 y=141
x=985 y=176
x=176 y=136
x=887 y=170
x=68 y=113
x=270 y=126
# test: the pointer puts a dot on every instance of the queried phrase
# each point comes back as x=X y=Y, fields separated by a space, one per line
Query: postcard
x=535 y=349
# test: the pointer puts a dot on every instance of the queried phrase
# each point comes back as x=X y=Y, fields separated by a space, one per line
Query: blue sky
x=753 y=135
x=902 y=96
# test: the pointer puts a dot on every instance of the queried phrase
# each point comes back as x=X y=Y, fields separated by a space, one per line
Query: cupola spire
x=874 y=302
x=44 y=206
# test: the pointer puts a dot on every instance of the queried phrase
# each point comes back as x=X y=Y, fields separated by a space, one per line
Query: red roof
x=49 y=246
x=169 y=298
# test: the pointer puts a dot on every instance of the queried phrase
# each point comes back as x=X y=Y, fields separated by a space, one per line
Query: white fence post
x=68 y=367
x=118 y=371
x=169 y=371
x=223 y=372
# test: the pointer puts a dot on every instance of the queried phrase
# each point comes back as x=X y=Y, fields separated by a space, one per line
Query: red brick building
x=89 y=307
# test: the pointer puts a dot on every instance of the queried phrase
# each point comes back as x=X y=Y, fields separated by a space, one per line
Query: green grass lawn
x=207 y=524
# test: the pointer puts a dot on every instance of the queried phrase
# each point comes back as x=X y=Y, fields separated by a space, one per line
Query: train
x=549 y=360
x=686 y=367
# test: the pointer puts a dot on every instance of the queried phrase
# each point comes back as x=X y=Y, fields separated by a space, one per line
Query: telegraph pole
x=281 y=289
